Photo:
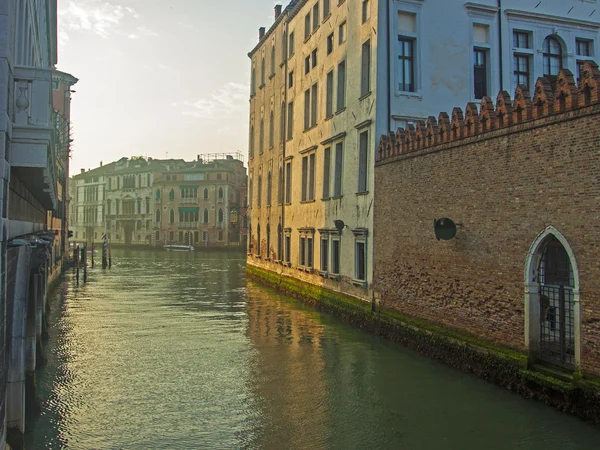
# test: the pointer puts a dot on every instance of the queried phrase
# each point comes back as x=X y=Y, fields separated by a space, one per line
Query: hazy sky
x=158 y=77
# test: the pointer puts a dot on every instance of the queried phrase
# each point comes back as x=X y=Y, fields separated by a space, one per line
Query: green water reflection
x=179 y=350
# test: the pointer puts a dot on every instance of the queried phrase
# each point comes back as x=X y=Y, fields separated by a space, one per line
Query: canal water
x=179 y=351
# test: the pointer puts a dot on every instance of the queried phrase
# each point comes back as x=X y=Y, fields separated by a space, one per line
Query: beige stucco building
x=312 y=114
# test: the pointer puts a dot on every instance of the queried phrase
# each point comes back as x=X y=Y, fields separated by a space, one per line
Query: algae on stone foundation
x=471 y=354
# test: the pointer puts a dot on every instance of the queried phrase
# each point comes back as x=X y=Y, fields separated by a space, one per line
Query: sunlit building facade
x=331 y=76
x=201 y=204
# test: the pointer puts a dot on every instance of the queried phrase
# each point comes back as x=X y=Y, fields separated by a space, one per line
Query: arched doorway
x=552 y=301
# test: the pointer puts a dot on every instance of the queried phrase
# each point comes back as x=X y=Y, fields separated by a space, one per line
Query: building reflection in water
x=288 y=372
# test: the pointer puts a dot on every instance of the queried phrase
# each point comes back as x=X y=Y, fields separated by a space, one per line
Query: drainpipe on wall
x=285 y=106
x=389 y=65
x=500 y=44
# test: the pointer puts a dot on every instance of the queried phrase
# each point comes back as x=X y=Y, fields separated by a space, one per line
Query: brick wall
x=503 y=175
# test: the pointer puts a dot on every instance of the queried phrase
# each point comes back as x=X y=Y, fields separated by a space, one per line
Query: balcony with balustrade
x=188 y=225
x=189 y=201
x=32 y=154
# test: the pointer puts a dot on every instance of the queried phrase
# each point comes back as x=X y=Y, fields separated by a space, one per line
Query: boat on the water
x=179 y=247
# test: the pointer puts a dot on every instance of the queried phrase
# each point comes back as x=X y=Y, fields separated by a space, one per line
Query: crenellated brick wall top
x=476 y=121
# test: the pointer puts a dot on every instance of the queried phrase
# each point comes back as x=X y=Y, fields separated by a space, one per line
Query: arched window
x=280 y=187
x=284 y=41
x=172 y=195
x=108 y=212
x=221 y=194
x=262 y=72
x=205 y=216
x=157 y=194
x=271 y=130
x=259 y=191
x=147 y=179
x=261 y=136
x=147 y=205
x=258 y=240
x=269 y=188
x=205 y=193
x=552 y=306
x=268 y=253
x=139 y=206
x=109 y=183
x=553 y=57
x=251 y=144
x=273 y=60
x=158 y=216
x=282 y=122
x=220 y=215
x=279 y=242
x=253 y=82
x=250 y=189
x=172 y=216
x=140 y=180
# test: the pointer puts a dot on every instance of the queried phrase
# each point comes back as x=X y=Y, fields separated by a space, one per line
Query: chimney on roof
x=197 y=157
x=82 y=170
x=100 y=163
x=277 y=11
x=261 y=33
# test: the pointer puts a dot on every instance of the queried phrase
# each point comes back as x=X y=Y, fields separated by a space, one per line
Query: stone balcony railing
x=189 y=201
x=188 y=224
x=32 y=153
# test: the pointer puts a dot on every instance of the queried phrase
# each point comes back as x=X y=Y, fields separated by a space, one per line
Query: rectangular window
x=307 y=26
x=342 y=33
x=302 y=251
x=341 y=86
x=306 y=65
x=181 y=236
x=316 y=17
x=326 y=9
x=359 y=261
x=314 y=58
x=290 y=120
x=337 y=178
x=521 y=69
x=329 y=43
x=406 y=66
x=314 y=104
x=307 y=109
x=291 y=45
x=311 y=177
x=291 y=79
x=366 y=10
x=326 y=171
x=310 y=249
x=329 y=95
x=480 y=69
x=288 y=182
x=583 y=47
x=288 y=249
x=324 y=254
x=521 y=39
x=335 y=256
x=585 y=51
x=365 y=79
x=304 y=178
x=363 y=161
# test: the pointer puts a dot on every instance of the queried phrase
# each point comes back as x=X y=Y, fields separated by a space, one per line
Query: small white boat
x=179 y=247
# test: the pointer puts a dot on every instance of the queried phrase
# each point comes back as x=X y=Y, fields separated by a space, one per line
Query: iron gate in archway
x=557 y=306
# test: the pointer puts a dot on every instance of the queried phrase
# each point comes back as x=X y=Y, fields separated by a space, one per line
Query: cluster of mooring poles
x=80 y=258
